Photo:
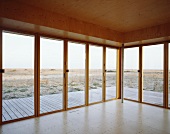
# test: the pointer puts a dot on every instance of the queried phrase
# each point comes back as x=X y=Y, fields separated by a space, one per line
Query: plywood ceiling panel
x=119 y=15
x=12 y=25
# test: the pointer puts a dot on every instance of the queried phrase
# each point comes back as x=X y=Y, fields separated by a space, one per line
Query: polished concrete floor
x=111 y=117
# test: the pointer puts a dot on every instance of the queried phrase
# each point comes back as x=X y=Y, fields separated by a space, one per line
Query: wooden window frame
x=165 y=73
x=140 y=72
x=65 y=67
x=105 y=75
x=35 y=85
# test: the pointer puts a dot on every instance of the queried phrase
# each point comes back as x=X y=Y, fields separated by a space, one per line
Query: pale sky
x=51 y=54
x=131 y=58
x=111 y=59
x=76 y=56
x=152 y=57
x=18 y=52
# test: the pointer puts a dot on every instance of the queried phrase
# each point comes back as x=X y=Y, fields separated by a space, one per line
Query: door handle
x=67 y=70
x=2 y=71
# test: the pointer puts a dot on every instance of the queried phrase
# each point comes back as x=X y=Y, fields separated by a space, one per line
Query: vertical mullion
x=122 y=72
x=37 y=76
x=118 y=74
x=166 y=68
x=140 y=75
x=65 y=73
x=1 y=77
x=104 y=75
x=87 y=76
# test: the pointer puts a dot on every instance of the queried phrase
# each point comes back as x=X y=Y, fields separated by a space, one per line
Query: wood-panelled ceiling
x=119 y=15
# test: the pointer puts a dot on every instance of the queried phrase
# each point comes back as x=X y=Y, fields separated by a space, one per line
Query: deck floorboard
x=24 y=107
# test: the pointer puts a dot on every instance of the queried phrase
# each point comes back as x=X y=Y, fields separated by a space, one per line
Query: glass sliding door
x=111 y=73
x=95 y=73
x=51 y=75
x=76 y=74
x=153 y=74
x=131 y=66
x=18 y=79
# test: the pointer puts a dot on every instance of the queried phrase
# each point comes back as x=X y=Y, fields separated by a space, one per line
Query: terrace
x=24 y=107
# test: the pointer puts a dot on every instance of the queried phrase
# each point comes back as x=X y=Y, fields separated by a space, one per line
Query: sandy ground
x=19 y=83
x=152 y=79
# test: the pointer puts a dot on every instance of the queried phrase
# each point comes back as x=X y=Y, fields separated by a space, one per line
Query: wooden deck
x=24 y=107
x=148 y=96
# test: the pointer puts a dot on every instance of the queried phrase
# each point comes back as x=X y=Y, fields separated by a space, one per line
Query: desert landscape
x=152 y=80
x=19 y=83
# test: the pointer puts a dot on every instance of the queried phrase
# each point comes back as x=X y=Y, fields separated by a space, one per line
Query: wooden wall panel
x=147 y=33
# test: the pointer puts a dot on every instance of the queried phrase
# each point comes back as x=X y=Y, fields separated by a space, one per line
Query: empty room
x=84 y=67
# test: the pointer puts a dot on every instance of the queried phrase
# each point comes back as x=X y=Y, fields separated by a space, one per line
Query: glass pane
x=153 y=74
x=95 y=74
x=51 y=75
x=131 y=61
x=110 y=73
x=18 y=79
x=76 y=75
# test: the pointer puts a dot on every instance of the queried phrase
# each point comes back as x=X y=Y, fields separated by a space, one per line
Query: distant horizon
x=77 y=69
